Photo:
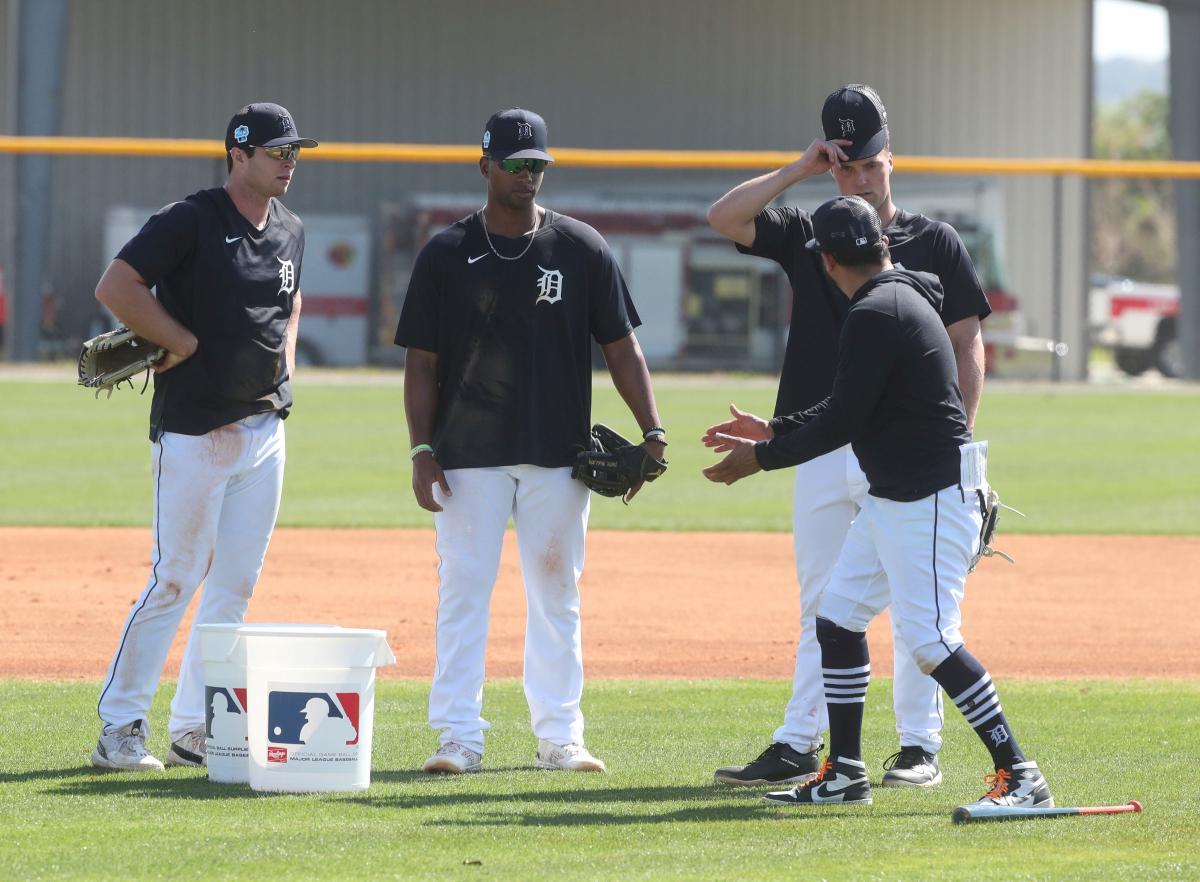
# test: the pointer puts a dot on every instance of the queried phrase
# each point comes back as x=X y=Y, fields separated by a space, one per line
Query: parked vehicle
x=1005 y=332
x=1139 y=322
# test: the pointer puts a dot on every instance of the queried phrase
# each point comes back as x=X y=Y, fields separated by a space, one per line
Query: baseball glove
x=114 y=357
x=614 y=466
x=989 y=507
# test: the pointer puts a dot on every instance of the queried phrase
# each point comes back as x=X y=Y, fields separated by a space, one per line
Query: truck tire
x=1134 y=362
x=1168 y=355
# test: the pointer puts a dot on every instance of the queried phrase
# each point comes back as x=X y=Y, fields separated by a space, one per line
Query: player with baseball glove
x=614 y=466
x=502 y=310
x=830 y=490
x=115 y=357
x=211 y=282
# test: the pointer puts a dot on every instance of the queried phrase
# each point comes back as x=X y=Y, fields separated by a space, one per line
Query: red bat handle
x=1132 y=806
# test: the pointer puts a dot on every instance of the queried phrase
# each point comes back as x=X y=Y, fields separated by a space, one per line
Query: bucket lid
x=325 y=631
x=267 y=628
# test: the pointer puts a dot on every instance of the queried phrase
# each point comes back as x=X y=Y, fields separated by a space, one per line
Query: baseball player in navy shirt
x=830 y=489
x=896 y=399
x=226 y=266
x=498 y=320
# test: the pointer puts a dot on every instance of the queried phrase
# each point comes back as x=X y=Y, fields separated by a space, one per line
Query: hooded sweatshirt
x=895 y=397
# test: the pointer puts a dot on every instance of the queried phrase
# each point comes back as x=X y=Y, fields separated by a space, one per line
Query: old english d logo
x=847 y=127
x=524 y=131
x=549 y=286
x=287 y=277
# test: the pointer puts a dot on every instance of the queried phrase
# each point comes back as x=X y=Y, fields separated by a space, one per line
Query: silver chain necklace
x=536 y=227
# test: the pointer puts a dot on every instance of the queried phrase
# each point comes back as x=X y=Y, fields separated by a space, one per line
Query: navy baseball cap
x=516 y=134
x=263 y=125
x=844 y=227
x=856 y=114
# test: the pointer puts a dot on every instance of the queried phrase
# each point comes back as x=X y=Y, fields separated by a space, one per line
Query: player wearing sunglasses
x=501 y=311
x=225 y=263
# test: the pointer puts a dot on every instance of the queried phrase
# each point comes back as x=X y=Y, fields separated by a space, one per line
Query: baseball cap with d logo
x=845 y=227
x=516 y=134
x=263 y=125
x=855 y=113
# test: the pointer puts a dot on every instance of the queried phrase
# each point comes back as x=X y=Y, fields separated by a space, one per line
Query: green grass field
x=1087 y=462
x=1093 y=462
x=656 y=815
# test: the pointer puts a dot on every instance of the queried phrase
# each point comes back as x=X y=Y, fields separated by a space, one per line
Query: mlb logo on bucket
x=277 y=754
x=316 y=720
x=225 y=713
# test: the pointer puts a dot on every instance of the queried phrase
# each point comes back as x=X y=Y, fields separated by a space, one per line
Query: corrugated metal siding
x=960 y=77
x=7 y=163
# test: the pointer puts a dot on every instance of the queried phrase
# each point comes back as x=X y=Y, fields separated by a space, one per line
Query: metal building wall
x=960 y=77
x=7 y=163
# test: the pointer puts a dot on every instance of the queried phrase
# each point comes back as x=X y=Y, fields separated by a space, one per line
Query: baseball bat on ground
x=964 y=814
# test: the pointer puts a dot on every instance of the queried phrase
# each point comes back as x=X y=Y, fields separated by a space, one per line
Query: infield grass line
x=1073 y=461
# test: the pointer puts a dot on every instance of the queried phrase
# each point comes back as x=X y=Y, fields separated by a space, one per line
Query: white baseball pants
x=829 y=493
x=216 y=497
x=550 y=512
x=924 y=548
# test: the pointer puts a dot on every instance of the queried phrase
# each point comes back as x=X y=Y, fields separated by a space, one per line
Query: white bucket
x=312 y=706
x=225 y=697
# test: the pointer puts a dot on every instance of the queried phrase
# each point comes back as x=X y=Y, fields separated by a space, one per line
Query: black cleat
x=778 y=764
x=911 y=767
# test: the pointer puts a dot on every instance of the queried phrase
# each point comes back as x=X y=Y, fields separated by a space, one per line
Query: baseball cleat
x=189 y=750
x=839 y=782
x=453 y=759
x=124 y=748
x=567 y=757
x=912 y=767
x=778 y=764
x=1022 y=786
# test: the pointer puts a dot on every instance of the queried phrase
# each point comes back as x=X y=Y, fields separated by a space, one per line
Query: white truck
x=1139 y=322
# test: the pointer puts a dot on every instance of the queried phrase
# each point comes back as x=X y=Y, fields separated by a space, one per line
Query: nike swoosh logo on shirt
x=229 y=241
x=473 y=259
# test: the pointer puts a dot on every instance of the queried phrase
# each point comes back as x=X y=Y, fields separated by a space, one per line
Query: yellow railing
x=585 y=157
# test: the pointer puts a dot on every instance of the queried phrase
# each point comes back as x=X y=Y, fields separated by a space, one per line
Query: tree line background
x=1133 y=219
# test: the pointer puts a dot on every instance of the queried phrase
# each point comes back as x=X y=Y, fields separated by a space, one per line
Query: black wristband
x=655 y=433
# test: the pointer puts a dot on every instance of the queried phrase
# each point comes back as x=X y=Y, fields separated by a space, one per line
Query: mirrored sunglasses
x=285 y=151
x=514 y=166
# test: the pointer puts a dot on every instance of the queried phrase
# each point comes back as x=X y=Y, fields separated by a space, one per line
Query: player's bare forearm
x=627 y=367
x=420 y=408
x=293 y=331
x=967 y=338
x=420 y=394
x=128 y=297
x=733 y=214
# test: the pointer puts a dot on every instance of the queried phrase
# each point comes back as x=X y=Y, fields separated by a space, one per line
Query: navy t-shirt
x=233 y=286
x=513 y=338
x=818 y=308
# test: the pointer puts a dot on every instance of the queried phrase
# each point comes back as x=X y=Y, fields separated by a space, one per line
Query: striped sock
x=970 y=687
x=846 y=669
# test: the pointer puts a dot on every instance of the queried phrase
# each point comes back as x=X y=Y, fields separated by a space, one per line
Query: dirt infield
x=655 y=604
